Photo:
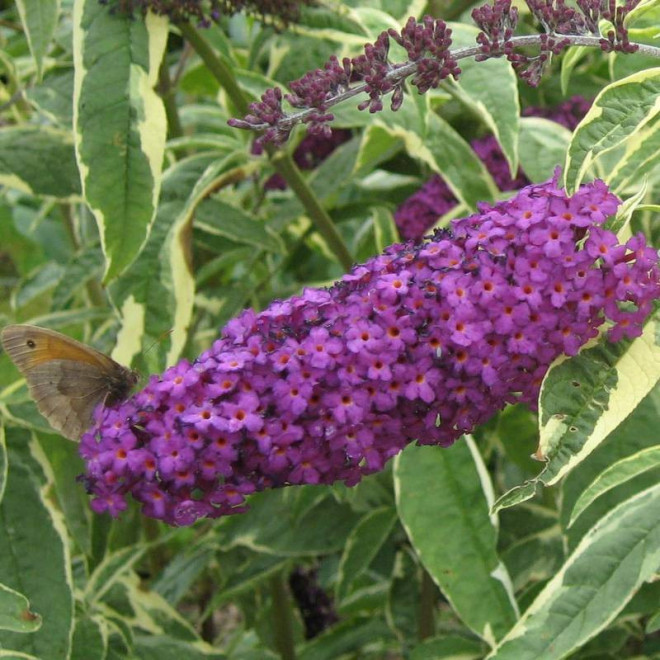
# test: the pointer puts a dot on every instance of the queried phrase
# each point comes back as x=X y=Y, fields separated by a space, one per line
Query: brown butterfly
x=67 y=379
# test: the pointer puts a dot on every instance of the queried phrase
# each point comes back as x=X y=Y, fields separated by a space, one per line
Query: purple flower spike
x=423 y=342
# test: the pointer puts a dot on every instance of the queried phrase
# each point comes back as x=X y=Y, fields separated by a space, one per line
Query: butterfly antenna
x=159 y=339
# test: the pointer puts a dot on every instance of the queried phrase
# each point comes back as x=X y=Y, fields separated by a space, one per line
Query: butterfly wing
x=28 y=346
x=66 y=394
x=66 y=379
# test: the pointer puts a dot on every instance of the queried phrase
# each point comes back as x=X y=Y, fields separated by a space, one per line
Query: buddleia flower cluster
x=423 y=342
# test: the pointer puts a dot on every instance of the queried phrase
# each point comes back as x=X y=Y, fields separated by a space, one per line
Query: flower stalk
x=430 y=61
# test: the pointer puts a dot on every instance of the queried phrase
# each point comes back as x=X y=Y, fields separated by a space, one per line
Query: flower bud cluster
x=316 y=607
x=498 y=21
x=420 y=343
x=431 y=60
x=616 y=39
x=427 y=44
x=206 y=13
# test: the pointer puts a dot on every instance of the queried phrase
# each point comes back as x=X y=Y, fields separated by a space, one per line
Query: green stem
x=208 y=630
x=282 y=162
x=166 y=91
x=282 y=618
x=93 y=287
x=99 y=534
x=427 y=600
x=156 y=553
x=221 y=72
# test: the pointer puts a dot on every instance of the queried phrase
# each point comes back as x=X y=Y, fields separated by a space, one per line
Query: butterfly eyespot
x=31 y=344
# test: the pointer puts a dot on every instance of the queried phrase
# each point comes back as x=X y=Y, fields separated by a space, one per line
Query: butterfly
x=66 y=379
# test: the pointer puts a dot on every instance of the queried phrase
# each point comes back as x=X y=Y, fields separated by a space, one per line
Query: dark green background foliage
x=132 y=217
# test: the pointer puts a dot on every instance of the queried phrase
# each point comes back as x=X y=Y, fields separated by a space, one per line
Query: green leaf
x=619 y=113
x=516 y=495
x=147 y=609
x=384 y=227
x=535 y=557
x=403 y=596
x=342 y=28
x=452 y=647
x=66 y=465
x=120 y=124
x=443 y=497
x=39 y=160
x=71 y=317
x=640 y=157
x=155 y=294
x=222 y=219
x=583 y=399
x=209 y=118
x=39 y=19
x=646 y=12
x=569 y=61
x=225 y=262
x=611 y=562
x=622 y=471
x=275 y=526
x=620 y=224
x=3 y=462
x=164 y=647
x=52 y=97
x=82 y=268
x=290 y=55
x=449 y=155
x=362 y=545
x=346 y=638
x=332 y=176
x=440 y=147
x=35 y=558
x=517 y=431
x=543 y=145
x=401 y=9
x=653 y=624
x=376 y=146
x=90 y=638
x=40 y=281
x=203 y=141
x=110 y=571
x=15 y=614
x=22 y=412
x=374 y=21
x=181 y=572
x=26 y=255
x=245 y=576
x=491 y=92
